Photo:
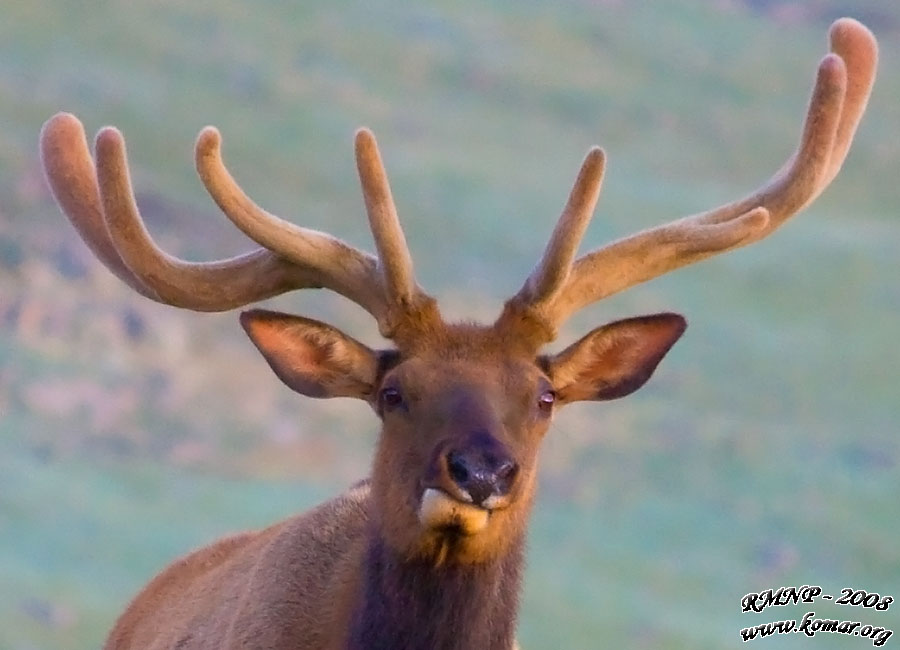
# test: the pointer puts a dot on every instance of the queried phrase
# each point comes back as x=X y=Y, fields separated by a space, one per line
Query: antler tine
x=843 y=84
x=553 y=269
x=99 y=200
x=70 y=173
x=335 y=265
x=393 y=253
x=200 y=286
x=100 y=204
x=856 y=45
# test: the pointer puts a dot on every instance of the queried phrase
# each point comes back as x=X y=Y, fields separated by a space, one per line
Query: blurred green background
x=765 y=452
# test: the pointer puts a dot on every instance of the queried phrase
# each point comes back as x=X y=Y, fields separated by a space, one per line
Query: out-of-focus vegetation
x=765 y=451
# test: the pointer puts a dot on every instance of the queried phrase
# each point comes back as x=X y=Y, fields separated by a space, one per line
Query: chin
x=456 y=532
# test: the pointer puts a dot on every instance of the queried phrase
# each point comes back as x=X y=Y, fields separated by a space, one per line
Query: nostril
x=506 y=470
x=457 y=467
x=480 y=475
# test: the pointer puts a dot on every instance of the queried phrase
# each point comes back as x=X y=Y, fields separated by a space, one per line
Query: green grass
x=75 y=535
x=765 y=451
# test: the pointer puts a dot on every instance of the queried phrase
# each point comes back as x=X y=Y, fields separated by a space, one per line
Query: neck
x=414 y=605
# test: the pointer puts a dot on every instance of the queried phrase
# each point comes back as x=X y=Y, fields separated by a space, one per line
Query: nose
x=481 y=473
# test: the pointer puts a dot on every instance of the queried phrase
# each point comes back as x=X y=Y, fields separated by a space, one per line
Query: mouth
x=440 y=511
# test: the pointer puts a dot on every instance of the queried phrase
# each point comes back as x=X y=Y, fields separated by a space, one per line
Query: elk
x=428 y=552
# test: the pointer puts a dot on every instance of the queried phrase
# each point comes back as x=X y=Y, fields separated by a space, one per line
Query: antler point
x=850 y=38
x=364 y=137
x=109 y=138
x=596 y=160
x=208 y=140
x=62 y=121
x=758 y=218
x=849 y=28
x=59 y=134
x=831 y=63
x=596 y=154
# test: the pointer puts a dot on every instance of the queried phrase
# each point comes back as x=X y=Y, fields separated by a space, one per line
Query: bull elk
x=428 y=552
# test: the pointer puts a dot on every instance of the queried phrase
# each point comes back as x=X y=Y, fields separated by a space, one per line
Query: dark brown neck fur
x=413 y=605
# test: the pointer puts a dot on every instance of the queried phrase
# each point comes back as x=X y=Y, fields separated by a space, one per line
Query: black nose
x=481 y=473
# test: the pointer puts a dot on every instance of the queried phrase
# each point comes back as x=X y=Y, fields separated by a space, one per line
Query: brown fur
x=362 y=571
x=429 y=553
x=280 y=587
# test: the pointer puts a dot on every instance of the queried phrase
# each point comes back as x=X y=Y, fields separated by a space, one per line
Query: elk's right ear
x=312 y=358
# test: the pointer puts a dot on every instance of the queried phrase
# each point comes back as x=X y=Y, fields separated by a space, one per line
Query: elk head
x=464 y=407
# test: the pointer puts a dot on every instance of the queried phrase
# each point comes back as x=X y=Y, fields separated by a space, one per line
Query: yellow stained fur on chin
x=438 y=509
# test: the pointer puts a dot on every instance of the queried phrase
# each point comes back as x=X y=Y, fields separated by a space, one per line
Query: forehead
x=469 y=353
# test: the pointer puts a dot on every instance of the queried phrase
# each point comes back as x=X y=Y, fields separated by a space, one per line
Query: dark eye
x=390 y=398
x=546 y=401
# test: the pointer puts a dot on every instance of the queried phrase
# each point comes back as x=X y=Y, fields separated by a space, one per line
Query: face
x=456 y=463
x=463 y=414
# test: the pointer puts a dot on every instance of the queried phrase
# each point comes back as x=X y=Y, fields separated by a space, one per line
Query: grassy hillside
x=765 y=451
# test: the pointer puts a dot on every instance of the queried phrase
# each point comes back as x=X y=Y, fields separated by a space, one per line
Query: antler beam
x=98 y=199
x=558 y=288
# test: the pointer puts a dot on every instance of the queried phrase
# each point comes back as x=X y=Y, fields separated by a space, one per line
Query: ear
x=312 y=358
x=614 y=360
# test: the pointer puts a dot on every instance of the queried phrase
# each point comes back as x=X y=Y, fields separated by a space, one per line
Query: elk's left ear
x=615 y=359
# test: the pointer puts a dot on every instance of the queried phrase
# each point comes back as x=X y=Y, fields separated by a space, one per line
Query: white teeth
x=491 y=502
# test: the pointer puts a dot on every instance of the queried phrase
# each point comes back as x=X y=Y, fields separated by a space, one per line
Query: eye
x=546 y=401
x=390 y=398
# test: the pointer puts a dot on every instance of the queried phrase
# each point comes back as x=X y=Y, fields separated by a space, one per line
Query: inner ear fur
x=312 y=358
x=615 y=359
